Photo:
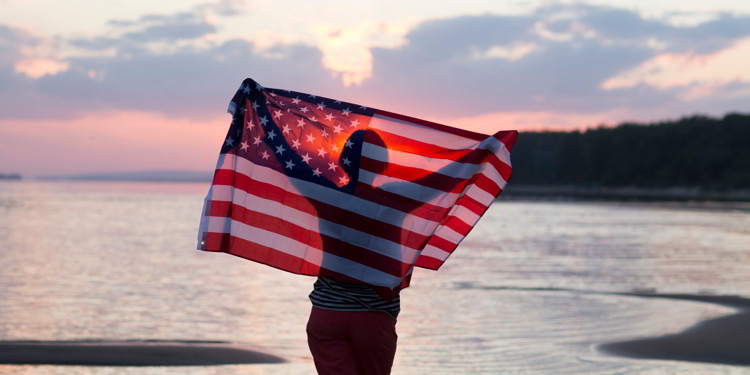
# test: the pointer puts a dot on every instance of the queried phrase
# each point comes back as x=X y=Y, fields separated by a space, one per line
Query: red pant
x=351 y=342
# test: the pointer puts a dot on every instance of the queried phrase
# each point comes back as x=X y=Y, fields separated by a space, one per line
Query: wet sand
x=130 y=353
x=724 y=340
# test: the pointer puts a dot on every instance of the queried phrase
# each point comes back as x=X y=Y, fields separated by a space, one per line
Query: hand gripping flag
x=322 y=187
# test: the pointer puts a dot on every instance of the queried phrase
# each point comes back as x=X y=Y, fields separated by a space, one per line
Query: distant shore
x=513 y=191
x=678 y=194
x=10 y=176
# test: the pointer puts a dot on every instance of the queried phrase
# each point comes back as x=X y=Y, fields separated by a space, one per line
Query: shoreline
x=130 y=353
x=722 y=340
x=677 y=194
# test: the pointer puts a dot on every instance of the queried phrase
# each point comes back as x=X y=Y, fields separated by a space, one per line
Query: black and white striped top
x=336 y=295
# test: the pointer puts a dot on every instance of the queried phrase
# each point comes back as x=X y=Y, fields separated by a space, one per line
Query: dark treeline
x=695 y=152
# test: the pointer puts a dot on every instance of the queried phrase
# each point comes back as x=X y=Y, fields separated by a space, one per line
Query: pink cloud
x=37 y=68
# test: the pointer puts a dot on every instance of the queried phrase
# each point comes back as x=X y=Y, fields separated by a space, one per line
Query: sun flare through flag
x=322 y=187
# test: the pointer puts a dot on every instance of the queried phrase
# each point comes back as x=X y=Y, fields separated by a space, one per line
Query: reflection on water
x=115 y=261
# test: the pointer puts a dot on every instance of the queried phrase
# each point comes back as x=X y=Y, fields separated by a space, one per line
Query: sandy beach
x=130 y=353
x=724 y=340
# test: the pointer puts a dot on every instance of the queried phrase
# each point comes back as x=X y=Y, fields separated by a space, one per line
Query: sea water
x=532 y=290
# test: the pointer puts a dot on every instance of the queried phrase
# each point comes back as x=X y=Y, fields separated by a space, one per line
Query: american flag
x=322 y=187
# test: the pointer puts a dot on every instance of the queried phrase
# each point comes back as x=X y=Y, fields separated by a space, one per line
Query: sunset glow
x=143 y=85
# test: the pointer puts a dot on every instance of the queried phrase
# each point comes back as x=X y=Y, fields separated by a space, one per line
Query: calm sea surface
x=115 y=261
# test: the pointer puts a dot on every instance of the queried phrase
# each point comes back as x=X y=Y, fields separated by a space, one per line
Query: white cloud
x=347 y=53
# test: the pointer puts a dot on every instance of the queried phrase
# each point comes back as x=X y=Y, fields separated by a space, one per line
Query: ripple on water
x=116 y=262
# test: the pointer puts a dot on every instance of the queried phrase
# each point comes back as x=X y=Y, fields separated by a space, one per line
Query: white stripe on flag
x=408 y=189
x=422 y=133
x=297 y=249
x=265 y=238
x=446 y=167
x=496 y=147
x=478 y=194
x=464 y=214
x=335 y=198
x=437 y=137
x=442 y=166
x=315 y=224
x=434 y=252
x=449 y=234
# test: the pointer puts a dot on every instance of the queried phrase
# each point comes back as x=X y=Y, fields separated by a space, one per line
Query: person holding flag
x=353 y=195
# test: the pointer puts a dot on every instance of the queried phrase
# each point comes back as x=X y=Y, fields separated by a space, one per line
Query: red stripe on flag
x=442 y=244
x=484 y=182
x=412 y=146
x=313 y=239
x=259 y=253
x=415 y=175
x=508 y=137
x=316 y=208
x=471 y=204
x=400 y=202
x=428 y=262
x=458 y=225
x=429 y=124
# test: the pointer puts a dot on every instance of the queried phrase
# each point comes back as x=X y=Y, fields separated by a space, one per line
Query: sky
x=129 y=85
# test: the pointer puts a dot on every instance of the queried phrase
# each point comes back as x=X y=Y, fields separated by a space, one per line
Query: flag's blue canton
x=304 y=136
